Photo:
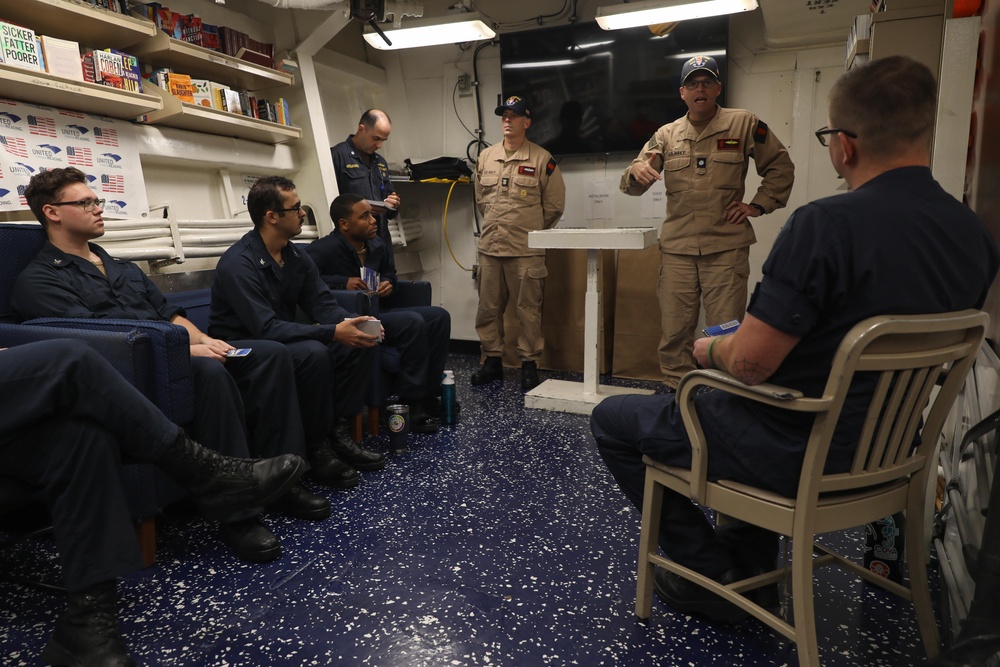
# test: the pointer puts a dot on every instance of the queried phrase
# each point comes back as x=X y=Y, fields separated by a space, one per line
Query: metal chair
x=909 y=355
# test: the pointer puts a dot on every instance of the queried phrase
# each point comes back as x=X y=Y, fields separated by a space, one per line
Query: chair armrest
x=197 y=305
x=127 y=351
x=168 y=382
x=409 y=293
x=769 y=394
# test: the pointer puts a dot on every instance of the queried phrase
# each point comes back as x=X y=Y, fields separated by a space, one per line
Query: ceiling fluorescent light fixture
x=652 y=12
x=452 y=29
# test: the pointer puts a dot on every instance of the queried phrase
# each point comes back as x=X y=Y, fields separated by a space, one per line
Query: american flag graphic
x=14 y=146
x=80 y=156
x=20 y=194
x=42 y=126
x=106 y=136
x=112 y=183
x=71 y=114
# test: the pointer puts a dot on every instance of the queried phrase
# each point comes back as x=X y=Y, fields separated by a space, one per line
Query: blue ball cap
x=702 y=64
x=518 y=105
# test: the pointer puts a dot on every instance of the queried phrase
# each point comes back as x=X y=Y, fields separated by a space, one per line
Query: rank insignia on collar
x=728 y=144
x=57 y=262
x=263 y=262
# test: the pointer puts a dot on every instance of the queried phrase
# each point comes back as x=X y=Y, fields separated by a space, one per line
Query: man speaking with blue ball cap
x=706 y=237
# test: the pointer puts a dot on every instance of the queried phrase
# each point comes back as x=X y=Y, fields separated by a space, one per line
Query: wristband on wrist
x=758 y=207
x=711 y=362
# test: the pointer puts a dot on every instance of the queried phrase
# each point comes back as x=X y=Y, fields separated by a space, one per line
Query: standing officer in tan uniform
x=706 y=237
x=519 y=189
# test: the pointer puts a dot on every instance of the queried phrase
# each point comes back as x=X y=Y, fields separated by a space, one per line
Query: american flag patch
x=80 y=156
x=42 y=126
x=106 y=136
x=14 y=146
x=112 y=183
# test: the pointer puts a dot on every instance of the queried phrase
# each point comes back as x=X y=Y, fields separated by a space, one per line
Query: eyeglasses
x=87 y=204
x=296 y=208
x=705 y=83
x=824 y=131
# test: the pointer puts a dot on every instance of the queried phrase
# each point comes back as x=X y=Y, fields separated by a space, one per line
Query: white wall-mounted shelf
x=78 y=21
x=42 y=88
x=165 y=51
x=199 y=118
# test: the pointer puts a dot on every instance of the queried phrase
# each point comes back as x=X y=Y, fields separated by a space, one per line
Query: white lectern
x=577 y=397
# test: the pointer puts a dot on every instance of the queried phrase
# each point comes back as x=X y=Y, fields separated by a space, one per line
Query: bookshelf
x=66 y=19
x=161 y=50
x=184 y=116
x=48 y=90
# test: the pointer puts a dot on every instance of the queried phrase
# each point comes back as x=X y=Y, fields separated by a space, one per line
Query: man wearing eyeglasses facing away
x=706 y=237
x=72 y=277
x=896 y=244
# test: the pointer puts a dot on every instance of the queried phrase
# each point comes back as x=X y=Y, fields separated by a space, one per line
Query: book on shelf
x=255 y=57
x=62 y=57
x=131 y=72
x=104 y=68
x=202 y=91
x=282 y=107
x=18 y=47
x=189 y=29
x=244 y=103
x=227 y=99
x=210 y=37
x=179 y=85
x=217 y=95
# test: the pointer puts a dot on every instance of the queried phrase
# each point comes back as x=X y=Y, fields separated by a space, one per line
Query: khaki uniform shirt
x=705 y=173
x=516 y=195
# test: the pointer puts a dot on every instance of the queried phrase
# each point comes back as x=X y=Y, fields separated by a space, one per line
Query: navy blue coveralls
x=367 y=176
x=68 y=421
x=421 y=333
x=57 y=284
x=253 y=296
x=898 y=244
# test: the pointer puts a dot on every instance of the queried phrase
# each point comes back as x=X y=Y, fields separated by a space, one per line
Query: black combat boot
x=348 y=450
x=529 y=375
x=88 y=633
x=327 y=469
x=492 y=369
x=221 y=484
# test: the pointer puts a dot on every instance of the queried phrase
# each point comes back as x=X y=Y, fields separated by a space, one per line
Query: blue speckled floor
x=502 y=541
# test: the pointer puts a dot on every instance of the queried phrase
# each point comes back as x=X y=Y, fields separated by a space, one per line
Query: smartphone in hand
x=239 y=352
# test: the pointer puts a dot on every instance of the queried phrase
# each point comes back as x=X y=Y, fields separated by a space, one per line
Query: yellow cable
x=447 y=201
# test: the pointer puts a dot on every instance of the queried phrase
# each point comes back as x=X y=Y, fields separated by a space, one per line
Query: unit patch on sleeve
x=760 y=134
x=728 y=144
x=526 y=171
x=550 y=167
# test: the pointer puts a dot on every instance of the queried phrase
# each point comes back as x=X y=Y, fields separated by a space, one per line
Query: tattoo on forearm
x=749 y=372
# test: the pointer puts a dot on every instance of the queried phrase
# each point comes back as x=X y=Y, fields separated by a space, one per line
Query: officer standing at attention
x=705 y=240
x=519 y=189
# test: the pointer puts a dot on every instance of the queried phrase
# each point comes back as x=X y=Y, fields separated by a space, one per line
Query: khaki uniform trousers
x=717 y=281
x=500 y=280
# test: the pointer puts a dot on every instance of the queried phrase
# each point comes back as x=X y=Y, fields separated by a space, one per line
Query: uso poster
x=34 y=138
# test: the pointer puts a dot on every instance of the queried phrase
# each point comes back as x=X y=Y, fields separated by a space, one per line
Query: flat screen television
x=597 y=91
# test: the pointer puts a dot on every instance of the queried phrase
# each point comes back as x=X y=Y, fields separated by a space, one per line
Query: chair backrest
x=19 y=243
x=908 y=355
